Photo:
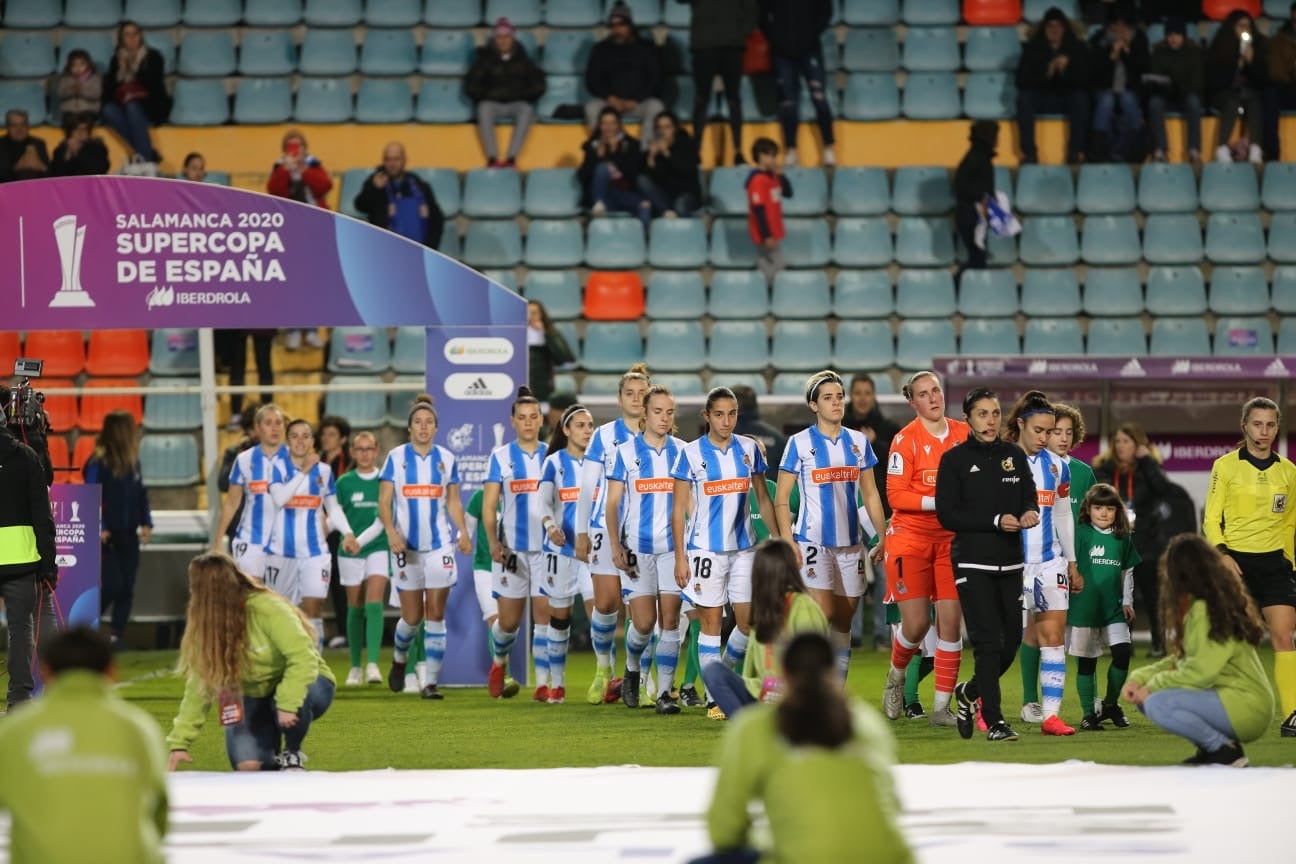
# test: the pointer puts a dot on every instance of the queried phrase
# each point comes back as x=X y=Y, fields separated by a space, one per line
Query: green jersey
x=1106 y=562
x=1082 y=478
x=359 y=499
x=758 y=518
x=481 y=542
x=83 y=776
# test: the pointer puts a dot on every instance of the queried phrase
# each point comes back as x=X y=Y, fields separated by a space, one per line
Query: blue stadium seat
x=446 y=52
x=1105 y=188
x=442 y=100
x=1112 y=292
x=738 y=294
x=197 y=102
x=352 y=182
x=920 y=12
x=324 y=100
x=169 y=461
x=1034 y=10
x=788 y=384
x=675 y=346
x=271 y=52
x=1050 y=292
x=919 y=341
x=561 y=90
x=492 y=193
x=398 y=402
x=600 y=385
x=675 y=56
x=445 y=185
x=359 y=350
x=1238 y=291
x=991 y=49
x=989 y=96
x=759 y=97
x=807 y=243
x=863 y=294
x=1284 y=290
x=870 y=13
x=363 y=409
x=863 y=345
x=1117 y=336
x=1052 y=336
x=860 y=191
x=862 y=242
x=931 y=96
x=172 y=412
x=1048 y=241
x=24 y=95
x=207 y=53
x=1279 y=191
x=1229 y=186
x=409 y=352
x=392 y=13
x=731 y=245
x=388 y=51
x=677 y=243
x=92 y=13
x=506 y=277
x=263 y=100
x=1045 y=189
x=988 y=294
x=1282 y=237
x=492 y=243
x=809 y=192
x=163 y=41
x=1287 y=336
x=328 y=52
x=682 y=383
x=871 y=49
x=615 y=244
x=1243 y=337
x=728 y=190
x=801 y=346
x=26 y=54
x=931 y=49
x=646 y=13
x=1181 y=337
x=332 y=13
x=452 y=243
x=924 y=191
x=573 y=13
x=682 y=87
x=1166 y=187
x=273 y=14
x=996 y=336
x=754 y=380
x=552 y=192
x=801 y=294
x=173 y=352
x=150 y=14
x=679 y=15
x=1172 y=238
x=97 y=43
x=554 y=243
x=566 y=52
x=675 y=295
x=924 y=242
x=212 y=13
x=523 y=13
x=740 y=346
x=1001 y=251
x=559 y=291
x=1175 y=291
x=871 y=96
x=33 y=14
x=1235 y=238
x=384 y=100
x=1112 y=240
x=453 y=13
x=925 y=294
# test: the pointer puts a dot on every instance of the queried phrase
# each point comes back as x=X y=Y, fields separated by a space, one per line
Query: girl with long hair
x=1211 y=688
x=127 y=519
x=249 y=485
x=364 y=574
x=252 y=653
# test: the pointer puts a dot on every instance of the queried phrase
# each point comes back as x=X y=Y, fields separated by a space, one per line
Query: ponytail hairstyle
x=907 y=390
x=637 y=372
x=817 y=380
x=1031 y=402
x=656 y=390
x=1105 y=495
x=524 y=397
x=559 y=439
x=774 y=575
x=422 y=402
x=813 y=711
x=714 y=395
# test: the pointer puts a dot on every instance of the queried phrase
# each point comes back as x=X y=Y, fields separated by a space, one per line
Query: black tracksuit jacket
x=977 y=484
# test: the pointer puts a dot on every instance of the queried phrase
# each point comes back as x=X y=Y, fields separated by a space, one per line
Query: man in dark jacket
x=1176 y=82
x=794 y=29
x=974 y=181
x=505 y=83
x=624 y=72
x=23 y=156
x=1119 y=54
x=1053 y=78
x=718 y=35
x=1281 y=95
x=81 y=152
x=400 y=201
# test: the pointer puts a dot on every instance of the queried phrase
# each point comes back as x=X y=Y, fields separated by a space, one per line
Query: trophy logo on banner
x=76 y=512
x=71 y=241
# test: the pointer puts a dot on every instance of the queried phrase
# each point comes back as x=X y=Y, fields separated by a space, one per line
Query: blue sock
x=403 y=639
x=558 y=639
x=736 y=650
x=668 y=647
x=636 y=643
x=646 y=656
x=501 y=643
x=708 y=650
x=540 y=653
x=1052 y=679
x=434 y=643
x=602 y=633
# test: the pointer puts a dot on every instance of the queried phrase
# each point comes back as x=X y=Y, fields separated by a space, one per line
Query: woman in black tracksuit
x=985 y=494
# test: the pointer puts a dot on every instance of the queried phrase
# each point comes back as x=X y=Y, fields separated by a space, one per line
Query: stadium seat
x=614 y=295
x=1105 y=188
x=871 y=49
x=506 y=277
x=683 y=383
x=1235 y=238
x=1238 y=291
x=445 y=185
x=612 y=346
x=788 y=384
x=566 y=52
x=681 y=87
x=328 y=52
x=992 y=49
x=554 y=243
x=409 y=352
x=324 y=100
x=930 y=49
x=1218 y=10
x=646 y=13
x=359 y=351
x=32 y=14
x=996 y=336
x=559 y=291
x=919 y=341
x=680 y=15
x=1282 y=237
x=922 y=192
x=1229 y=186
x=446 y=52
x=1243 y=337
x=263 y=100
x=118 y=352
x=807 y=243
x=392 y=13
x=1052 y=336
x=801 y=346
x=492 y=243
x=1284 y=290
x=271 y=53
x=740 y=346
x=364 y=409
x=442 y=100
x=97 y=43
x=384 y=100
x=212 y=13
x=870 y=96
x=600 y=385
x=1045 y=189
x=62 y=410
x=451 y=242
x=1033 y=10
x=388 y=51
x=731 y=245
x=860 y=191
x=675 y=295
x=738 y=294
x=1048 y=241
x=61 y=458
x=200 y=103
x=332 y=13
x=26 y=96
x=453 y=13
x=163 y=41
x=1112 y=292
x=492 y=193
x=172 y=412
x=352 y=182
x=863 y=294
x=677 y=243
x=573 y=13
x=552 y=193
x=168 y=461
x=1117 y=336
x=62 y=350
x=928 y=12
x=26 y=54
x=1172 y=238
x=801 y=294
x=1287 y=336
x=987 y=294
x=863 y=345
x=992 y=12
x=810 y=192
x=207 y=53
x=1111 y=240
x=924 y=242
x=759 y=97
x=728 y=190
x=1175 y=291
x=1166 y=187
x=925 y=294
x=931 y=96
x=989 y=96
x=151 y=14
x=1050 y=292
x=862 y=242
x=561 y=90
x=1279 y=191
x=92 y=13
x=95 y=407
x=85 y=447
x=10 y=348
x=870 y=13
x=675 y=346
x=754 y=380
x=523 y=13
x=615 y=244
x=272 y=14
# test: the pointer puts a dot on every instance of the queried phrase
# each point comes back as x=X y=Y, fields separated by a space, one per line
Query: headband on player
x=571 y=412
x=822 y=378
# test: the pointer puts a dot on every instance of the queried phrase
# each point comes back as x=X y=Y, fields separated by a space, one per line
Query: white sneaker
x=292 y=340
x=1222 y=154
x=599 y=209
x=1255 y=155
x=355 y=677
x=648 y=688
x=790 y=158
x=338 y=641
x=893 y=694
x=412 y=684
x=420 y=672
x=291 y=760
x=1032 y=712
x=373 y=675
x=313 y=339
x=829 y=157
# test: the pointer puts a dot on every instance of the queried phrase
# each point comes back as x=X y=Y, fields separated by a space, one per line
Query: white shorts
x=585 y=583
x=518 y=577
x=833 y=568
x=649 y=575
x=717 y=577
x=485 y=600
x=560 y=579
x=1045 y=587
x=250 y=558
x=354 y=571
x=299 y=579
x=420 y=571
x=1090 y=641
x=600 y=563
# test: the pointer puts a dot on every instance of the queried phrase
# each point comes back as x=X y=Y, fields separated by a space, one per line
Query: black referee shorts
x=1268 y=576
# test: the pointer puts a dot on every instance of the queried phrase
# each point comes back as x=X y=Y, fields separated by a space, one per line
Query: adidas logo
x=974 y=470
x=1276 y=369
x=1134 y=369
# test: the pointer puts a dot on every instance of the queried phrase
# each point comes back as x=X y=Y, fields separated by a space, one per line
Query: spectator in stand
x=80 y=152
x=624 y=73
x=546 y=350
x=23 y=156
x=1280 y=96
x=1053 y=78
x=718 y=34
x=609 y=172
x=400 y=201
x=80 y=87
x=794 y=28
x=231 y=345
x=1176 y=81
x=135 y=94
x=1236 y=77
x=195 y=168
x=1119 y=54
x=299 y=175
x=974 y=183
x=766 y=189
x=670 y=173
x=505 y=83
x=750 y=424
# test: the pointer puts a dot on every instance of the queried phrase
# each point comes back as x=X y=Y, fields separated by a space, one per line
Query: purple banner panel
x=76 y=527
x=963 y=369
x=1179 y=452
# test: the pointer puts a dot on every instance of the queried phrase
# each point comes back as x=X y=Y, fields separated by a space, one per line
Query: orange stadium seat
x=118 y=352
x=10 y=350
x=614 y=296
x=80 y=456
x=62 y=350
x=60 y=458
x=95 y=408
x=992 y=12
x=1218 y=10
x=62 y=410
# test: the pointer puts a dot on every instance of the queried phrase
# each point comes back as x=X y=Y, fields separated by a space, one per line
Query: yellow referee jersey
x=1250 y=509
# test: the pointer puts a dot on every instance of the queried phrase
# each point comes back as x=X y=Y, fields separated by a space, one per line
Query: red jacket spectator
x=765 y=191
x=299 y=175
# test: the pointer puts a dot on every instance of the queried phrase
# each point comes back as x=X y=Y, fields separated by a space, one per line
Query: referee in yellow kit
x=1251 y=517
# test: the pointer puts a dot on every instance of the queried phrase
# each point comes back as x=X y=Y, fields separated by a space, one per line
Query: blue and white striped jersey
x=721 y=480
x=300 y=529
x=518 y=474
x=253 y=470
x=1053 y=488
x=599 y=456
x=828 y=472
x=649 y=493
x=559 y=489
x=421 y=484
